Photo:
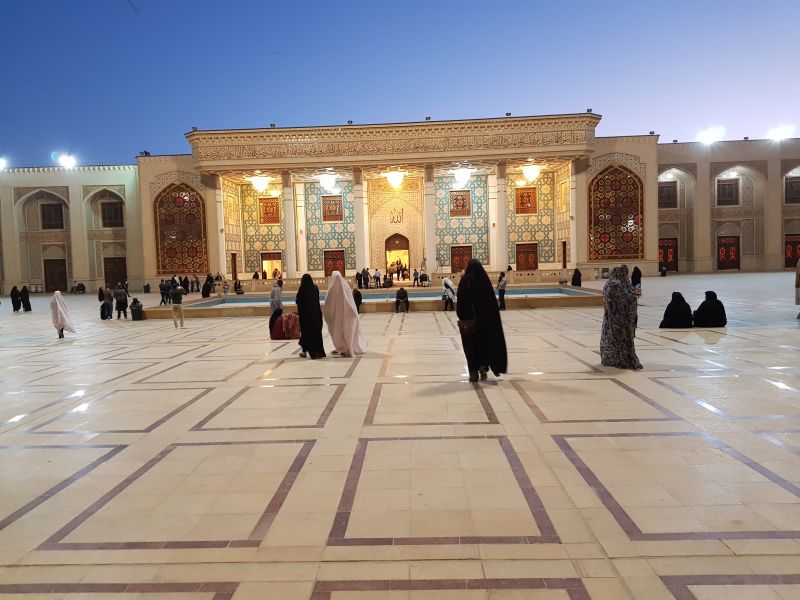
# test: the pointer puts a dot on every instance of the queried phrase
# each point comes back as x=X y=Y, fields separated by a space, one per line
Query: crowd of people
x=396 y=272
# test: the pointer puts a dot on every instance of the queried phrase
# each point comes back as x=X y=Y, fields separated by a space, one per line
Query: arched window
x=180 y=231
x=616 y=205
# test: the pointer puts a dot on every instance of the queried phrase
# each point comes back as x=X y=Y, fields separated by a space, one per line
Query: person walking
x=101 y=297
x=60 y=315
x=617 y=348
x=176 y=295
x=121 y=301
x=449 y=294
x=341 y=315
x=16 y=302
x=163 y=287
x=25 y=298
x=479 y=324
x=501 y=290
x=275 y=302
x=310 y=314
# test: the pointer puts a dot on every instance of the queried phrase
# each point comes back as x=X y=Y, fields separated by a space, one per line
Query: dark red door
x=791 y=250
x=728 y=252
x=116 y=271
x=527 y=257
x=668 y=254
x=334 y=261
x=55 y=275
x=459 y=257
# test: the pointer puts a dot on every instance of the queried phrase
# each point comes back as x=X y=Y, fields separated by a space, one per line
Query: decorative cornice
x=429 y=139
x=62 y=170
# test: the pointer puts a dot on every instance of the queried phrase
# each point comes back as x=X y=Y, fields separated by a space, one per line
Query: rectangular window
x=52 y=216
x=793 y=190
x=667 y=194
x=727 y=192
x=112 y=214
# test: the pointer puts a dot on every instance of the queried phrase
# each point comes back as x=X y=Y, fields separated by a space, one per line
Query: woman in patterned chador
x=619 y=322
x=479 y=323
x=310 y=313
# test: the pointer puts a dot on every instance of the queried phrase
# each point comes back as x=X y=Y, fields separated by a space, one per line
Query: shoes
x=176 y=326
x=473 y=377
x=303 y=355
x=182 y=327
x=484 y=373
x=336 y=352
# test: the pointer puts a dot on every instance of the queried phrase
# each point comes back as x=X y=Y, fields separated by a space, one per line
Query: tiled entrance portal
x=210 y=463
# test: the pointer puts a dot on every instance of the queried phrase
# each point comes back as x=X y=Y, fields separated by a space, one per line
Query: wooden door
x=459 y=258
x=234 y=267
x=334 y=261
x=55 y=275
x=527 y=257
x=668 y=254
x=115 y=270
x=791 y=250
x=728 y=252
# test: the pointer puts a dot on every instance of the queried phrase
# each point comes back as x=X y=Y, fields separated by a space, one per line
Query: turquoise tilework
x=462 y=231
x=539 y=228
x=260 y=238
x=329 y=236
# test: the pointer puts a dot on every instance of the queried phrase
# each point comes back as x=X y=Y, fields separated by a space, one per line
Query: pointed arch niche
x=616 y=215
x=181 y=242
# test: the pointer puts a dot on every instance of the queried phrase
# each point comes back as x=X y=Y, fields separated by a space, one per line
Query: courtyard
x=146 y=462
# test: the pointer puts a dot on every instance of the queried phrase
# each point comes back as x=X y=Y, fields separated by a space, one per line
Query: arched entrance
x=397 y=248
x=181 y=245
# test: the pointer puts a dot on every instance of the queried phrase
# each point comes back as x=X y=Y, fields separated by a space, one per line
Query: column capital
x=501 y=170
x=357 y=176
x=428 y=172
x=286 y=179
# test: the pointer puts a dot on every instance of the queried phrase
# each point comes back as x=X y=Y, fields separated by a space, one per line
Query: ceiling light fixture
x=395 y=178
x=531 y=172
x=328 y=181
x=462 y=175
x=260 y=182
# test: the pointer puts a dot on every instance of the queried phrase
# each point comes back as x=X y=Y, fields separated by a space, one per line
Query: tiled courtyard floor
x=210 y=463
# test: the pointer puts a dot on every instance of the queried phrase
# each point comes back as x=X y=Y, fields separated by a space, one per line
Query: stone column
x=10 y=237
x=215 y=225
x=361 y=208
x=491 y=217
x=704 y=250
x=289 y=229
x=300 y=220
x=429 y=226
x=773 y=216
x=578 y=206
x=501 y=219
x=78 y=239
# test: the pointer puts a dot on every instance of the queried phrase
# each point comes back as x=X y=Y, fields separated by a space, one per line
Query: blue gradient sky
x=104 y=79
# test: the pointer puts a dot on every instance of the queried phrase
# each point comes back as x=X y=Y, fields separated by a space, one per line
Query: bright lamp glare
x=711 y=135
x=328 y=181
x=531 y=172
x=67 y=161
x=462 y=175
x=395 y=178
x=260 y=182
x=781 y=132
x=3 y=163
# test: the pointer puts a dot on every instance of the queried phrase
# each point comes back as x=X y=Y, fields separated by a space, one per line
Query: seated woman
x=237 y=287
x=678 y=314
x=710 y=313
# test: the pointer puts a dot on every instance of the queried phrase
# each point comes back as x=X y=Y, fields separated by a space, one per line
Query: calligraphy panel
x=269 y=211
x=525 y=201
x=460 y=203
x=332 y=209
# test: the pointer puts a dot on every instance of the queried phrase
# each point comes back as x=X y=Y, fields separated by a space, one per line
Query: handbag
x=467 y=326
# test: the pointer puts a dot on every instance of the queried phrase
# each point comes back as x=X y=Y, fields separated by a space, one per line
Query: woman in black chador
x=710 y=313
x=16 y=302
x=678 y=314
x=25 y=297
x=310 y=313
x=576 y=278
x=479 y=323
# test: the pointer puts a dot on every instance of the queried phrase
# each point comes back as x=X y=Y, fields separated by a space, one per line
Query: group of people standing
x=108 y=298
x=20 y=299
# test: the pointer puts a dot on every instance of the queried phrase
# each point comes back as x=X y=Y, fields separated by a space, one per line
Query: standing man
x=501 y=290
x=358 y=279
x=416 y=278
x=176 y=295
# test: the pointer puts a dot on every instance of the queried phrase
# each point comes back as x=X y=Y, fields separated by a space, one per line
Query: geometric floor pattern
x=140 y=461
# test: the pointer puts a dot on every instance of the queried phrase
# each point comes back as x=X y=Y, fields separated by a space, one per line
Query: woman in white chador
x=60 y=316
x=341 y=316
